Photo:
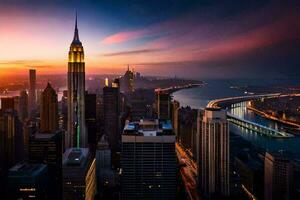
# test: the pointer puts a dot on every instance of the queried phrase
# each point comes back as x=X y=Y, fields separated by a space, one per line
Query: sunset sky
x=199 y=39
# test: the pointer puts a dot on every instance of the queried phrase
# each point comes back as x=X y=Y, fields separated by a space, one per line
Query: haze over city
x=198 y=39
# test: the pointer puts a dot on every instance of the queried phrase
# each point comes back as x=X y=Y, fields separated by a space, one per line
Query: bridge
x=232 y=100
x=264 y=130
x=258 y=128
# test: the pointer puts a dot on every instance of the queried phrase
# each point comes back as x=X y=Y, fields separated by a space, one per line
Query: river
x=200 y=96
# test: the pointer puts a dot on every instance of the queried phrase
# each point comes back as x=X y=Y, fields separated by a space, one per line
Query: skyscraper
x=32 y=92
x=214 y=158
x=90 y=117
x=79 y=174
x=104 y=172
x=175 y=119
x=76 y=136
x=163 y=104
x=27 y=181
x=49 y=110
x=127 y=81
x=140 y=101
x=11 y=141
x=111 y=106
x=23 y=106
x=7 y=103
x=278 y=176
x=46 y=148
x=148 y=161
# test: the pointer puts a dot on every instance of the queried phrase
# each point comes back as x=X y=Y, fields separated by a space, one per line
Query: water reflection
x=199 y=97
x=273 y=144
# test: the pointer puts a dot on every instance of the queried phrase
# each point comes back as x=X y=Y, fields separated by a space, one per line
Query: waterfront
x=199 y=97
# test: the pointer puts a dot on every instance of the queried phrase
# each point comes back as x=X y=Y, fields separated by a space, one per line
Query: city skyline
x=167 y=99
x=210 y=39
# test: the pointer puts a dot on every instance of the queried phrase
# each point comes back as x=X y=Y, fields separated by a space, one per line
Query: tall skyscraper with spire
x=76 y=136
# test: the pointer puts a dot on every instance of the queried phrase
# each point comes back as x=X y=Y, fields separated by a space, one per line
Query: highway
x=179 y=87
x=188 y=173
x=214 y=103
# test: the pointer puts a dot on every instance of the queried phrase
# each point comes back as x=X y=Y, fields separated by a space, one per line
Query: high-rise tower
x=32 y=92
x=49 y=110
x=77 y=136
x=214 y=153
x=111 y=98
x=278 y=176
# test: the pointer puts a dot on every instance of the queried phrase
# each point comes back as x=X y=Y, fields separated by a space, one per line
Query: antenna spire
x=76 y=35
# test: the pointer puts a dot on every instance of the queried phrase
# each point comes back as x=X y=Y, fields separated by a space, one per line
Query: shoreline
x=173 y=89
x=270 y=117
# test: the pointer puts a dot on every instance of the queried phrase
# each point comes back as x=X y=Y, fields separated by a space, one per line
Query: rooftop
x=75 y=157
x=148 y=127
x=27 y=170
x=45 y=136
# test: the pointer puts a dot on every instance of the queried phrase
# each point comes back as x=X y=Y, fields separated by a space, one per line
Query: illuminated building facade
x=49 y=110
x=214 y=158
x=148 y=161
x=27 y=181
x=76 y=136
x=79 y=174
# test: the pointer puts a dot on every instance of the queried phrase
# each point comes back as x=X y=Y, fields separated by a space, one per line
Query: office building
x=8 y=103
x=175 y=116
x=104 y=172
x=187 y=129
x=76 y=135
x=23 y=106
x=163 y=104
x=49 y=110
x=148 y=161
x=64 y=110
x=29 y=129
x=127 y=81
x=278 y=176
x=79 y=174
x=111 y=106
x=11 y=141
x=46 y=148
x=251 y=175
x=90 y=120
x=214 y=158
x=27 y=181
x=141 y=101
x=32 y=92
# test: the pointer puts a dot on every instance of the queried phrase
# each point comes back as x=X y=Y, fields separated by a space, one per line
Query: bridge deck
x=257 y=127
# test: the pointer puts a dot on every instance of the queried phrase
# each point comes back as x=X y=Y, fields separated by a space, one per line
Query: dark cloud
x=134 y=52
